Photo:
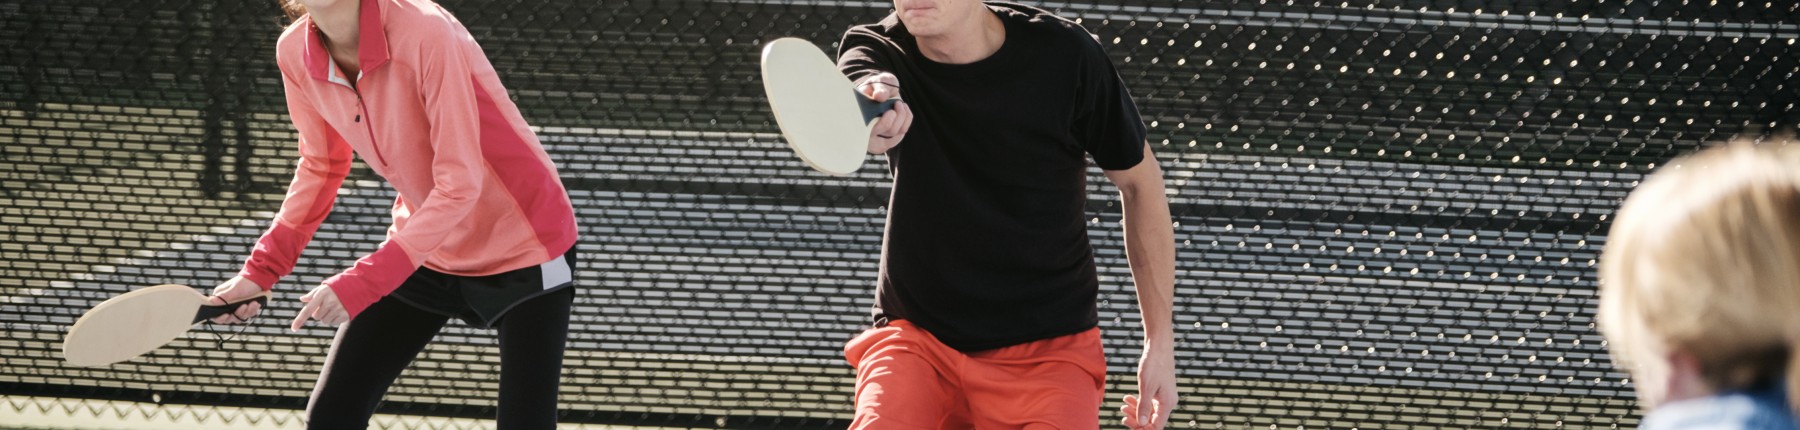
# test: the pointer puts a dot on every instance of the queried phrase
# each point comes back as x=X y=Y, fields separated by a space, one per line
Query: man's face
x=928 y=18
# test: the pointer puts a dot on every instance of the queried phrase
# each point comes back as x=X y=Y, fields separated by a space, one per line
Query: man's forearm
x=1150 y=247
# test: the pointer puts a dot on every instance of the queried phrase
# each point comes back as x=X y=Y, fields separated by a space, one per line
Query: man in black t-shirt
x=985 y=313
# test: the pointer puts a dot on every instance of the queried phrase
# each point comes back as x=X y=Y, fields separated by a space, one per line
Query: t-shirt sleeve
x=1106 y=119
x=864 y=52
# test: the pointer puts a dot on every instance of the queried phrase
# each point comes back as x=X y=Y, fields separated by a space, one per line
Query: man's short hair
x=1704 y=257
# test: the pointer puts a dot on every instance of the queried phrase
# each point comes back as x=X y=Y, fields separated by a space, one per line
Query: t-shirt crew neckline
x=984 y=65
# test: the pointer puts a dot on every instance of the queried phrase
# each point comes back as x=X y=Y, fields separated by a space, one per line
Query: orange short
x=906 y=379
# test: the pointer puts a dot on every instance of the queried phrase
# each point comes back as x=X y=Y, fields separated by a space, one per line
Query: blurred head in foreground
x=1700 y=287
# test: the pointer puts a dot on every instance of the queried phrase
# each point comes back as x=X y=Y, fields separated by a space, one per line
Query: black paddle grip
x=207 y=312
x=872 y=109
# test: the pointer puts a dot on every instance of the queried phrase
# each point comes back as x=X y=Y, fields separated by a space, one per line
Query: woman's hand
x=235 y=290
x=321 y=304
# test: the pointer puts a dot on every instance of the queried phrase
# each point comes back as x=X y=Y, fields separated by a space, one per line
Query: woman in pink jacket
x=483 y=230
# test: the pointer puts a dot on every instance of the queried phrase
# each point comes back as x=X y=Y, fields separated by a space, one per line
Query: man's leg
x=1056 y=383
x=904 y=380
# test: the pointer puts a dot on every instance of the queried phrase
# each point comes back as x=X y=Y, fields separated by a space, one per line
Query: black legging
x=369 y=353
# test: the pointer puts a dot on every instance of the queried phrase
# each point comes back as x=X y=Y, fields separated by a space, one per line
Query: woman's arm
x=324 y=163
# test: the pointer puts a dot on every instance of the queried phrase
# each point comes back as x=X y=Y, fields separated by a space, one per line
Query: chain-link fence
x=1388 y=212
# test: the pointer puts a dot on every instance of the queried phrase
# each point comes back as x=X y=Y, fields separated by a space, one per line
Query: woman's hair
x=1705 y=257
x=292 y=8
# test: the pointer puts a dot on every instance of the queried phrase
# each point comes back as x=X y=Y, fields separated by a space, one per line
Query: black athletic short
x=480 y=301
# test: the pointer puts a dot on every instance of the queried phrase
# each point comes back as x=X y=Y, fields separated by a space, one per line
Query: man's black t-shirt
x=986 y=243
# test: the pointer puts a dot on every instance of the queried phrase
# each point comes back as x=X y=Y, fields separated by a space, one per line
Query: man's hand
x=891 y=126
x=321 y=304
x=1156 y=397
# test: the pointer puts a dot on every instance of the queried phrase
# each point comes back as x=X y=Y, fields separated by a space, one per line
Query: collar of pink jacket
x=371 y=48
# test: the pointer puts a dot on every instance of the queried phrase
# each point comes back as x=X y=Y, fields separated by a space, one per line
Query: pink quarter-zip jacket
x=478 y=194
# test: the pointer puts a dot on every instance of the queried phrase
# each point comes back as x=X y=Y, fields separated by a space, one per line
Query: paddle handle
x=207 y=312
x=872 y=109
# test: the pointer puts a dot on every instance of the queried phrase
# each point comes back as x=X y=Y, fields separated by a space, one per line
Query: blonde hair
x=1705 y=257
